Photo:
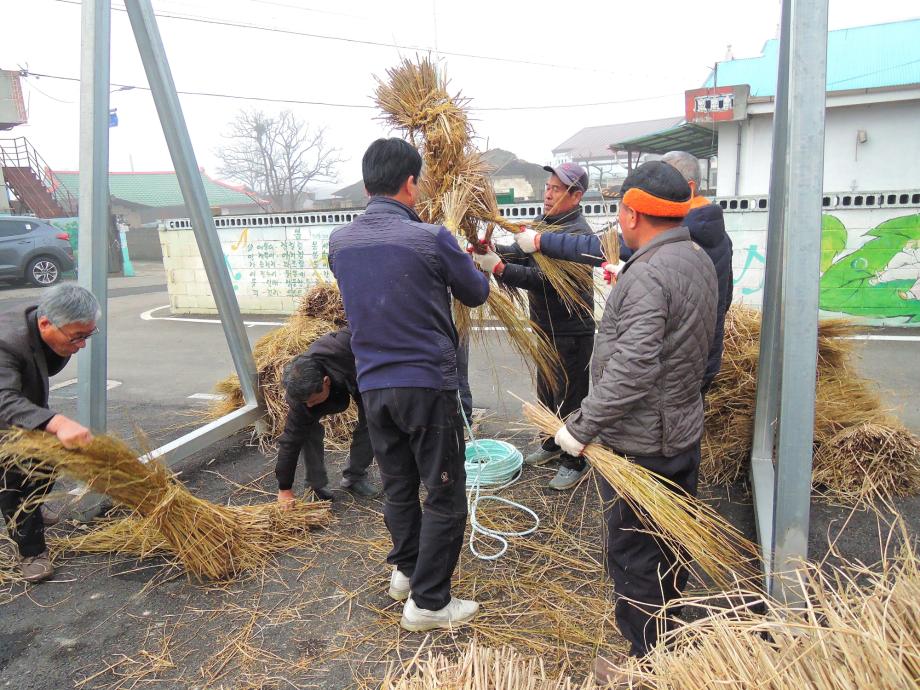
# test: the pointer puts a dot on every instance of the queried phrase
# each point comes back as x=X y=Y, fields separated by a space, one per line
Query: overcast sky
x=629 y=60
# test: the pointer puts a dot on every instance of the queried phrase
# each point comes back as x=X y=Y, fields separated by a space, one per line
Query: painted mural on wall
x=880 y=279
x=870 y=264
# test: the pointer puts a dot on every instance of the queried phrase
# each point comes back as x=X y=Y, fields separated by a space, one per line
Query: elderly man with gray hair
x=36 y=343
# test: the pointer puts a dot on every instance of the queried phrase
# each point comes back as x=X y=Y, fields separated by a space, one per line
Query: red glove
x=609 y=276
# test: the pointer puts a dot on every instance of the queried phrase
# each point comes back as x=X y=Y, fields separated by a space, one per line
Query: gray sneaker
x=541 y=457
x=566 y=478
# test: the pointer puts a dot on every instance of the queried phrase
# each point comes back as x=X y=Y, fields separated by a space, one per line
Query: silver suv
x=33 y=250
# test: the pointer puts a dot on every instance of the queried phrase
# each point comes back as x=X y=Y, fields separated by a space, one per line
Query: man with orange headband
x=648 y=366
x=706 y=224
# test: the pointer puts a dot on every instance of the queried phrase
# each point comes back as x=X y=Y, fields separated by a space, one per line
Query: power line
x=294 y=101
x=377 y=44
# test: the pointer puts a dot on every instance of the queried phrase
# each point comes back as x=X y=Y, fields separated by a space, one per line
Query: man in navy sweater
x=397 y=276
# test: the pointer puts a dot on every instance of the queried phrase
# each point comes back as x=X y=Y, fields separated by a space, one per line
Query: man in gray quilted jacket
x=649 y=361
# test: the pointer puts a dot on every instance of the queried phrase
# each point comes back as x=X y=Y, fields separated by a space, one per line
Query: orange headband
x=643 y=202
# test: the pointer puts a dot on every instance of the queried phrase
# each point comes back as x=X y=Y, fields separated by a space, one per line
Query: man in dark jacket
x=35 y=344
x=571 y=331
x=322 y=381
x=706 y=224
x=397 y=277
x=645 y=402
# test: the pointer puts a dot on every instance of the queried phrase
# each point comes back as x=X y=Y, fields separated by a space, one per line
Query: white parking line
x=149 y=316
x=205 y=396
x=109 y=384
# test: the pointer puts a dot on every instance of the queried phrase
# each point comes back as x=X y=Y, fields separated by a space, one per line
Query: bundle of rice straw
x=859 y=628
x=844 y=400
x=456 y=191
x=211 y=541
x=478 y=667
x=869 y=459
x=320 y=312
x=689 y=527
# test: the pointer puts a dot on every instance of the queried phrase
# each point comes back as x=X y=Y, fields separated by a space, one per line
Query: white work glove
x=610 y=276
x=528 y=240
x=569 y=444
x=488 y=261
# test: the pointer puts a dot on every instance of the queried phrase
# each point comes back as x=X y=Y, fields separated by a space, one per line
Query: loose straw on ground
x=689 y=527
x=211 y=541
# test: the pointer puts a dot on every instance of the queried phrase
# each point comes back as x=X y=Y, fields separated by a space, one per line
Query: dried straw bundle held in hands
x=479 y=667
x=849 y=418
x=320 y=312
x=690 y=527
x=211 y=541
x=456 y=191
x=859 y=628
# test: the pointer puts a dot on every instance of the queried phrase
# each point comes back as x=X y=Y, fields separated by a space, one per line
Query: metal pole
x=93 y=262
x=770 y=361
x=159 y=76
x=800 y=289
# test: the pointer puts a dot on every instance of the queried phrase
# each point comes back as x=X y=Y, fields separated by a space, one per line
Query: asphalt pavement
x=161 y=371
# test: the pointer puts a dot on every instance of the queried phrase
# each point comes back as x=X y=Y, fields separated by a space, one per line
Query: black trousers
x=645 y=572
x=25 y=527
x=572 y=382
x=463 y=377
x=303 y=437
x=417 y=436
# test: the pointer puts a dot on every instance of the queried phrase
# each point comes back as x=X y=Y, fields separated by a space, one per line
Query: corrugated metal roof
x=594 y=142
x=159 y=189
x=863 y=57
x=702 y=142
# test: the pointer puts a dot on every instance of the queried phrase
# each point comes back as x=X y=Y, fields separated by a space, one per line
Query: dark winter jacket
x=396 y=275
x=547 y=310
x=26 y=363
x=650 y=351
x=707 y=228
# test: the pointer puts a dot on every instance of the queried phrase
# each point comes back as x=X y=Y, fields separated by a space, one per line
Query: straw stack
x=211 y=541
x=320 y=312
x=849 y=418
x=456 y=191
x=692 y=529
x=859 y=628
x=479 y=667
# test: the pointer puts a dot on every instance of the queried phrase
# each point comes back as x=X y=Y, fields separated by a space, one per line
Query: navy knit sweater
x=396 y=275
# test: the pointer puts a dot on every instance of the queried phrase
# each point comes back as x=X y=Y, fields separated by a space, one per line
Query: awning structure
x=702 y=142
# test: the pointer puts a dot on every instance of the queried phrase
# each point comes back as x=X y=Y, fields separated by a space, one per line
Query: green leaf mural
x=833 y=240
x=853 y=283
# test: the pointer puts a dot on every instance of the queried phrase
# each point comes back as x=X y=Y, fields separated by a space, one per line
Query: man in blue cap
x=570 y=330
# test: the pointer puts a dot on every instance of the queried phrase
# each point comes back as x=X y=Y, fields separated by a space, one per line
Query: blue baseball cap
x=571 y=174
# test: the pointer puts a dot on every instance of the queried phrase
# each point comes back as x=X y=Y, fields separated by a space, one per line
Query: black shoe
x=361 y=487
x=322 y=493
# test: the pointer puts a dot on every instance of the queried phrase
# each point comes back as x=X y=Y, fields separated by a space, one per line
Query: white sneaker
x=399 y=586
x=456 y=612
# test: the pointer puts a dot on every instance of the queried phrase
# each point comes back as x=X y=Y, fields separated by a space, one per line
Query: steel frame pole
x=770 y=360
x=93 y=264
x=800 y=290
x=159 y=76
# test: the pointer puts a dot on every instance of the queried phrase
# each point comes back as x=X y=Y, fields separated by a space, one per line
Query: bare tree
x=277 y=156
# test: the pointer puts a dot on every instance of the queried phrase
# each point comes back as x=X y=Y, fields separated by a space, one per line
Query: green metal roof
x=701 y=141
x=864 y=57
x=159 y=189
